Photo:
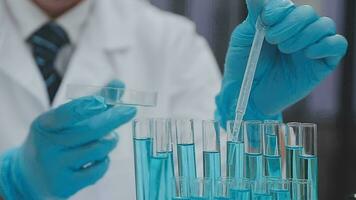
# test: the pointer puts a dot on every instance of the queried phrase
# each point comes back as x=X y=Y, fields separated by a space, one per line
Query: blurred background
x=332 y=105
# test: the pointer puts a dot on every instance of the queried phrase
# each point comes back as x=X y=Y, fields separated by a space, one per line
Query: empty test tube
x=185 y=148
x=211 y=149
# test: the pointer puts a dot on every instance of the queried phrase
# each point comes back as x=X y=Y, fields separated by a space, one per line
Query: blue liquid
x=309 y=170
x=253 y=166
x=281 y=195
x=240 y=194
x=258 y=196
x=292 y=157
x=186 y=160
x=199 y=198
x=161 y=174
x=180 y=198
x=212 y=165
x=235 y=166
x=273 y=166
x=142 y=152
x=221 y=198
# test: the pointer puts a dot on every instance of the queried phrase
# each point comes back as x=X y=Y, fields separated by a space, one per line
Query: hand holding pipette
x=295 y=58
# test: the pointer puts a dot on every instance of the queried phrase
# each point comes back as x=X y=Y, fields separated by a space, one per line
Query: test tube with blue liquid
x=185 y=148
x=180 y=188
x=260 y=190
x=235 y=152
x=253 y=143
x=241 y=189
x=274 y=150
x=279 y=189
x=222 y=188
x=201 y=188
x=211 y=149
x=161 y=161
x=142 y=139
x=301 y=189
x=308 y=161
x=293 y=149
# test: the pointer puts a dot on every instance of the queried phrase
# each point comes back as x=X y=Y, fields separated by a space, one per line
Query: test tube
x=161 y=162
x=301 y=189
x=142 y=139
x=260 y=190
x=279 y=189
x=308 y=168
x=274 y=150
x=180 y=188
x=253 y=141
x=293 y=148
x=201 y=189
x=222 y=188
x=185 y=148
x=241 y=189
x=211 y=149
x=235 y=152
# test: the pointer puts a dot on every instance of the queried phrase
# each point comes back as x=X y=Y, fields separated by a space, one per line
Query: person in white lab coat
x=48 y=44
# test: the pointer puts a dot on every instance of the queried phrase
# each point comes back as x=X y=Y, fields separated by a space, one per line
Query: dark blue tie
x=46 y=43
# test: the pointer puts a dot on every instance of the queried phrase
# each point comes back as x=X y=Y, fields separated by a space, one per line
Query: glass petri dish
x=113 y=95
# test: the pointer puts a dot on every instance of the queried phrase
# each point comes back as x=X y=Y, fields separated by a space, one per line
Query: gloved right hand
x=66 y=150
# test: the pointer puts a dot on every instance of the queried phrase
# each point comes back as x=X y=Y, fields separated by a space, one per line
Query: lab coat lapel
x=17 y=63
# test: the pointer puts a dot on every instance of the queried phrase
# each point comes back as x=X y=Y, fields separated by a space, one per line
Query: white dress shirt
x=29 y=18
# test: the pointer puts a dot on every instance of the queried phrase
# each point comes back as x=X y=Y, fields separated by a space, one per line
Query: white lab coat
x=130 y=40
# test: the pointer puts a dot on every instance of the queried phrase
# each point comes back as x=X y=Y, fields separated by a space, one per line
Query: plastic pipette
x=249 y=76
x=247 y=84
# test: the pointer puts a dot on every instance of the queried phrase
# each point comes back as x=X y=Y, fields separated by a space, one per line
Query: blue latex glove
x=66 y=150
x=301 y=49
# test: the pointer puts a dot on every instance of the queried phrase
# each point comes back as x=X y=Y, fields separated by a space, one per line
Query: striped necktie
x=46 y=43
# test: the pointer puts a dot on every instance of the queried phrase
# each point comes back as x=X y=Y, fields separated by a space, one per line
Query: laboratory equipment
x=253 y=142
x=260 y=190
x=235 y=152
x=308 y=167
x=185 y=148
x=293 y=149
x=180 y=188
x=240 y=189
x=274 y=149
x=201 y=188
x=279 y=189
x=161 y=161
x=301 y=189
x=249 y=75
x=247 y=81
x=142 y=139
x=114 y=95
x=222 y=188
x=211 y=149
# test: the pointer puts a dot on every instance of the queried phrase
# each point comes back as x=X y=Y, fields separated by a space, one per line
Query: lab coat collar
x=117 y=21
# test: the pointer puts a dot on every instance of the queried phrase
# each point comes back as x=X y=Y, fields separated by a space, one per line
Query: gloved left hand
x=300 y=51
x=66 y=150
